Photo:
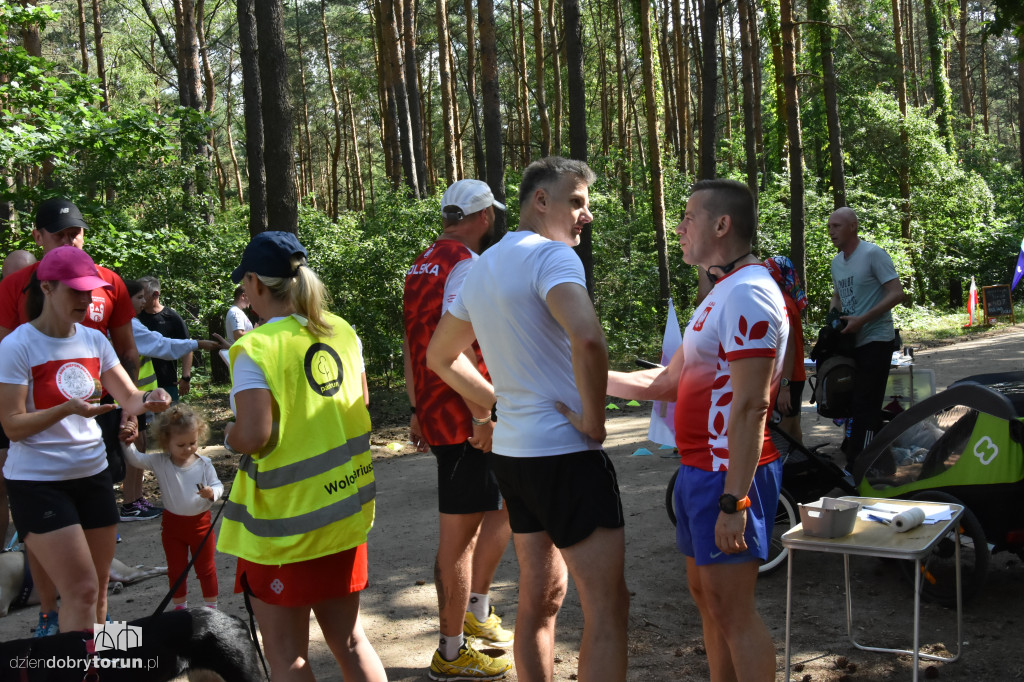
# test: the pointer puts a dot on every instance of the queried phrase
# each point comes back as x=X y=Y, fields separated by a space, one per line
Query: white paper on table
x=883 y=510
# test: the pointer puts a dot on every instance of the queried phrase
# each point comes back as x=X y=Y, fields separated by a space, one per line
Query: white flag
x=663 y=428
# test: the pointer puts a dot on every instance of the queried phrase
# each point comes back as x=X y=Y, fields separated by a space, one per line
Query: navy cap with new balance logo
x=54 y=215
x=270 y=254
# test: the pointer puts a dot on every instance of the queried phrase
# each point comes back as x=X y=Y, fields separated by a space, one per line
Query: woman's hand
x=156 y=400
x=87 y=409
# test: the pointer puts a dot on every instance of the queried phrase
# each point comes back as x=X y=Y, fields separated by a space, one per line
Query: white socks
x=450 y=646
x=479 y=606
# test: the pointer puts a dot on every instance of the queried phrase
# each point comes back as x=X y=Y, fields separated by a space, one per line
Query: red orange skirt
x=307 y=582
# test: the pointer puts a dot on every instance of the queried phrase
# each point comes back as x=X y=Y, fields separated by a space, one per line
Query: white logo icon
x=117 y=635
x=985 y=450
x=65 y=210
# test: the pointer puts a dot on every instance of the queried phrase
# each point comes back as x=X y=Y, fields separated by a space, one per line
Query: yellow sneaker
x=470 y=665
x=489 y=631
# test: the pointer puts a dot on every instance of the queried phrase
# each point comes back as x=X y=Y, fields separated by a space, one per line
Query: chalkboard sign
x=997 y=301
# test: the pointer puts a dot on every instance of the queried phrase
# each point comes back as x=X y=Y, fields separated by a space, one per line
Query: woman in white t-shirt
x=53 y=371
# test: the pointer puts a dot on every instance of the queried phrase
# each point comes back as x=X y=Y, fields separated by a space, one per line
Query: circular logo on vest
x=323 y=369
x=74 y=381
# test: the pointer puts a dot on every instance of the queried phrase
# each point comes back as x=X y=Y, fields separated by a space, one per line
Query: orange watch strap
x=744 y=503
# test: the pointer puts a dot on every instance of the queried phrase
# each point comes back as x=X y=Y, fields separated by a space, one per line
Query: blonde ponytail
x=306 y=293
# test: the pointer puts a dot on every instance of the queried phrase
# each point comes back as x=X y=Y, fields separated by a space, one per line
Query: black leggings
x=873 y=362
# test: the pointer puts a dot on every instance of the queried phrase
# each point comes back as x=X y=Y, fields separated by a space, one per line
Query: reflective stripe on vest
x=147 y=375
x=307 y=468
x=304 y=523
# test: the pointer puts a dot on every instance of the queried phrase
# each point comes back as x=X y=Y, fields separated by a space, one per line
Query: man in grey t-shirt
x=866 y=289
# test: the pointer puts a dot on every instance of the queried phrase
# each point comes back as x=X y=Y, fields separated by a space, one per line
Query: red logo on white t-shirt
x=96 y=310
x=699 y=324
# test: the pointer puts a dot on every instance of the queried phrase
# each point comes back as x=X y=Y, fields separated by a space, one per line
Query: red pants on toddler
x=181 y=535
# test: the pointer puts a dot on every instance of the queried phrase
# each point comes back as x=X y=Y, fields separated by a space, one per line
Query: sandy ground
x=665 y=641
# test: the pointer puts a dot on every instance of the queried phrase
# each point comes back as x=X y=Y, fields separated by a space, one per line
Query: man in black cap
x=60 y=223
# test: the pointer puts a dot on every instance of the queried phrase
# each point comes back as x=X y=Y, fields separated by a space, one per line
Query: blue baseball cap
x=270 y=254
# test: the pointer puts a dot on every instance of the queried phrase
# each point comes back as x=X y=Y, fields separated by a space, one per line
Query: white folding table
x=870 y=538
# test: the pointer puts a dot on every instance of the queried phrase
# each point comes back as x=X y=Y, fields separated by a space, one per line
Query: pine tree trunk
x=356 y=162
x=965 y=85
x=253 y=117
x=682 y=84
x=540 y=93
x=413 y=93
x=819 y=11
x=625 y=186
x=443 y=60
x=83 y=40
x=1020 y=101
x=336 y=109
x=525 y=134
x=101 y=60
x=755 y=41
x=903 y=168
x=307 y=173
x=479 y=161
x=693 y=23
x=578 y=119
x=771 y=12
x=750 y=64
x=398 y=90
x=492 y=111
x=709 y=89
x=796 y=165
x=556 y=70
x=940 y=83
x=984 y=79
x=654 y=151
x=668 y=94
x=228 y=111
x=282 y=206
x=388 y=107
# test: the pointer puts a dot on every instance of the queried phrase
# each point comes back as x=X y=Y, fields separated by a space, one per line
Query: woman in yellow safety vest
x=302 y=502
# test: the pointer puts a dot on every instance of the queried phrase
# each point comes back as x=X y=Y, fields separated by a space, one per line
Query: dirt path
x=664 y=628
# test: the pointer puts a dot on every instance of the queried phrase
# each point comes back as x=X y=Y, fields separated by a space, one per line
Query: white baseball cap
x=468 y=196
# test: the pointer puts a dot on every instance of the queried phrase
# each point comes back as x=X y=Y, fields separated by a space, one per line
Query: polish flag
x=972 y=304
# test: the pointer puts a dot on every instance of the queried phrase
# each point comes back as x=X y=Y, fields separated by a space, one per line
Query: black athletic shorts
x=45 y=506
x=568 y=496
x=465 y=481
x=5 y=442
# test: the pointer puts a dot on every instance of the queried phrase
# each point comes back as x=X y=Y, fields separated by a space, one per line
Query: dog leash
x=246 y=592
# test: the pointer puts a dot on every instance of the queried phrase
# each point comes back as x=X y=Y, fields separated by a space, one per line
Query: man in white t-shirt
x=525 y=301
x=727 y=374
x=236 y=322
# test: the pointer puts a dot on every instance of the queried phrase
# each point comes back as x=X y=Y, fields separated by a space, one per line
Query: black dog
x=164 y=647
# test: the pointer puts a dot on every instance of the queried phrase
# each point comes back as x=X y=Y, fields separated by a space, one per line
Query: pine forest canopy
x=181 y=126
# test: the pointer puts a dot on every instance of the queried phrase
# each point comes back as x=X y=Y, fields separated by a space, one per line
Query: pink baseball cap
x=73 y=266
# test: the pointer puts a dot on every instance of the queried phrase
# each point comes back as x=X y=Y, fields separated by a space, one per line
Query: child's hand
x=206 y=493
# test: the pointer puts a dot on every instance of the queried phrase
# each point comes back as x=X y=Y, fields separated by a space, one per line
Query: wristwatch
x=785 y=382
x=730 y=504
